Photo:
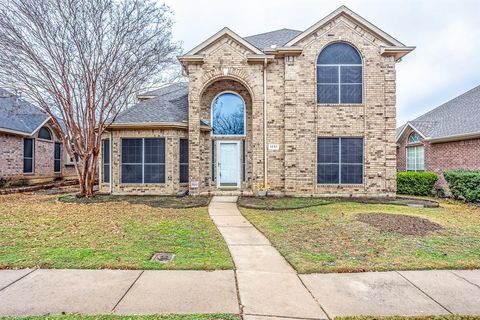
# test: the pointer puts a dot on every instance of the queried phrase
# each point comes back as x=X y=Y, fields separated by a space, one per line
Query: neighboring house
x=29 y=146
x=445 y=138
x=301 y=112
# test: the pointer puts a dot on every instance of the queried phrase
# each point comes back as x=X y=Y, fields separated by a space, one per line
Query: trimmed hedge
x=416 y=183
x=464 y=184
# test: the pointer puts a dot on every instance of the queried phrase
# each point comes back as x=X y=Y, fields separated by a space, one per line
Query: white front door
x=228 y=164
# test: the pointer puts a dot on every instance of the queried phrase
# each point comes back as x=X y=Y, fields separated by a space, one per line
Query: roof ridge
x=263 y=33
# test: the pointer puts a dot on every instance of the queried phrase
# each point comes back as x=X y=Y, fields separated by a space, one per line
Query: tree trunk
x=86 y=173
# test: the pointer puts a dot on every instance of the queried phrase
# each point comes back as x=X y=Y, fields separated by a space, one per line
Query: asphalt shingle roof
x=458 y=116
x=169 y=105
x=19 y=115
x=278 y=38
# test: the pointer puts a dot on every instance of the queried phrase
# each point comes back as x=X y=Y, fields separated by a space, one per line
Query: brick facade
x=294 y=119
x=442 y=156
x=11 y=157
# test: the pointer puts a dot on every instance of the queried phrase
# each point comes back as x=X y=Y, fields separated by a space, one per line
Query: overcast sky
x=445 y=64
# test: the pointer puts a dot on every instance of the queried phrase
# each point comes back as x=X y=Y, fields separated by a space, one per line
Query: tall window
x=28 y=152
x=44 y=133
x=183 y=160
x=415 y=158
x=339 y=75
x=228 y=115
x=340 y=160
x=106 y=160
x=143 y=160
x=57 y=157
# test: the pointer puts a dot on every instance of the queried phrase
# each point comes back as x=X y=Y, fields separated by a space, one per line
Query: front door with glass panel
x=228 y=163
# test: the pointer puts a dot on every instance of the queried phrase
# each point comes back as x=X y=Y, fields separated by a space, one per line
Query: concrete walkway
x=263 y=286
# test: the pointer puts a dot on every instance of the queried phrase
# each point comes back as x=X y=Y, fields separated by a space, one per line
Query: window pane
x=352 y=150
x=56 y=166
x=106 y=173
x=351 y=74
x=57 y=150
x=351 y=93
x=131 y=150
x=131 y=173
x=183 y=173
x=27 y=165
x=420 y=160
x=213 y=160
x=28 y=148
x=327 y=173
x=327 y=150
x=228 y=111
x=414 y=137
x=352 y=173
x=411 y=159
x=154 y=151
x=327 y=74
x=327 y=93
x=106 y=151
x=339 y=53
x=183 y=151
x=154 y=173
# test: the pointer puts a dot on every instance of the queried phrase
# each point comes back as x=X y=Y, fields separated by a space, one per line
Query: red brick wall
x=11 y=157
x=441 y=157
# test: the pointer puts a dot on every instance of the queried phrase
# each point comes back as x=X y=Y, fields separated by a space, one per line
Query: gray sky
x=445 y=64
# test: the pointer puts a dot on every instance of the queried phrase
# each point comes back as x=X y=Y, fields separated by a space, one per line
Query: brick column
x=290 y=126
x=194 y=142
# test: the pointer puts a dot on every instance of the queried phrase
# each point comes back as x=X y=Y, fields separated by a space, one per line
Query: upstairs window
x=414 y=138
x=339 y=75
x=45 y=133
x=228 y=115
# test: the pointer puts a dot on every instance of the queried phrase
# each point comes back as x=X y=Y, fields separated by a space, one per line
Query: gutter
x=456 y=137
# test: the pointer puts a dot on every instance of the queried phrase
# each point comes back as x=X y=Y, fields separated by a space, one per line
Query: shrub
x=416 y=183
x=464 y=184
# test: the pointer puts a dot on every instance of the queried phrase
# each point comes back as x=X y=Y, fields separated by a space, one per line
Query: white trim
x=244 y=117
x=408 y=124
x=218 y=161
x=455 y=137
x=349 y=13
x=218 y=35
x=415 y=147
x=40 y=126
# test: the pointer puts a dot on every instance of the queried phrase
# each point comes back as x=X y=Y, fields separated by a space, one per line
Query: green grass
x=40 y=231
x=115 y=317
x=328 y=238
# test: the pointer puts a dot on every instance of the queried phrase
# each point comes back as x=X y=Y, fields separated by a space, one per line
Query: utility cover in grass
x=399 y=223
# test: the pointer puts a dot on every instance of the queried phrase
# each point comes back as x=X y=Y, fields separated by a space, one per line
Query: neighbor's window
x=106 y=160
x=228 y=115
x=415 y=158
x=45 y=133
x=340 y=160
x=143 y=160
x=57 y=157
x=28 y=152
x=183 y=160
x=339 y=75
x=414 y=138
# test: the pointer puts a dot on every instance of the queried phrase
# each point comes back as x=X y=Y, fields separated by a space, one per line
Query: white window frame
x=244 y=117
x=415 y=157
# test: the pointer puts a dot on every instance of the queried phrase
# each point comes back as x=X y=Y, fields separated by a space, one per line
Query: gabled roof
x=218 y=35
x=276 y=38
x=18 y=116
x=455 y=118
x=167 y=105
x=343 y=10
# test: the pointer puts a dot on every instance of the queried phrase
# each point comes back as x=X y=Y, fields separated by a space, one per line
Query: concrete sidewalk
x=268 y=287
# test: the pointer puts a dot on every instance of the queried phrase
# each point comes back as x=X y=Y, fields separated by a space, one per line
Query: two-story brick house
x=302 y=112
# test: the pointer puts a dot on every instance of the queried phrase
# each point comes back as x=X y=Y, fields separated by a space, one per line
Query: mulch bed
x=399 y=223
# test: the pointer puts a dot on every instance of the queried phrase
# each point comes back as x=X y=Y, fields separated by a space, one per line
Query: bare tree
x=83 y=61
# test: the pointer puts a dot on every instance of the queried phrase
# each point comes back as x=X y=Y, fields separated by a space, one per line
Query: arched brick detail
x=215 y=75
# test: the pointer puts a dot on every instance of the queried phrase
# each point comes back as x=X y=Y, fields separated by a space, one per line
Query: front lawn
x=347 y=236
x=40 y=231
x=135 y=317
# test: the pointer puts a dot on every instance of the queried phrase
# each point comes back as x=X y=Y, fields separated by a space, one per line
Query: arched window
x=414 y=138
x=339 y=74
x=228 y=115
x=45 y=133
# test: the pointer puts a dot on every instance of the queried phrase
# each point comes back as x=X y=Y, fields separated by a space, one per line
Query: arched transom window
x=228 y=115
x=339 y=75
x=45 y=133
x=414 y=138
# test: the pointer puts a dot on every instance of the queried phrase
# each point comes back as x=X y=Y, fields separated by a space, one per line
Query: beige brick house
x=299 y=112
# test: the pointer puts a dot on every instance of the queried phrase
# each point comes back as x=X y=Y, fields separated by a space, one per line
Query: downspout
x=265 y=166
x=111 y=162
